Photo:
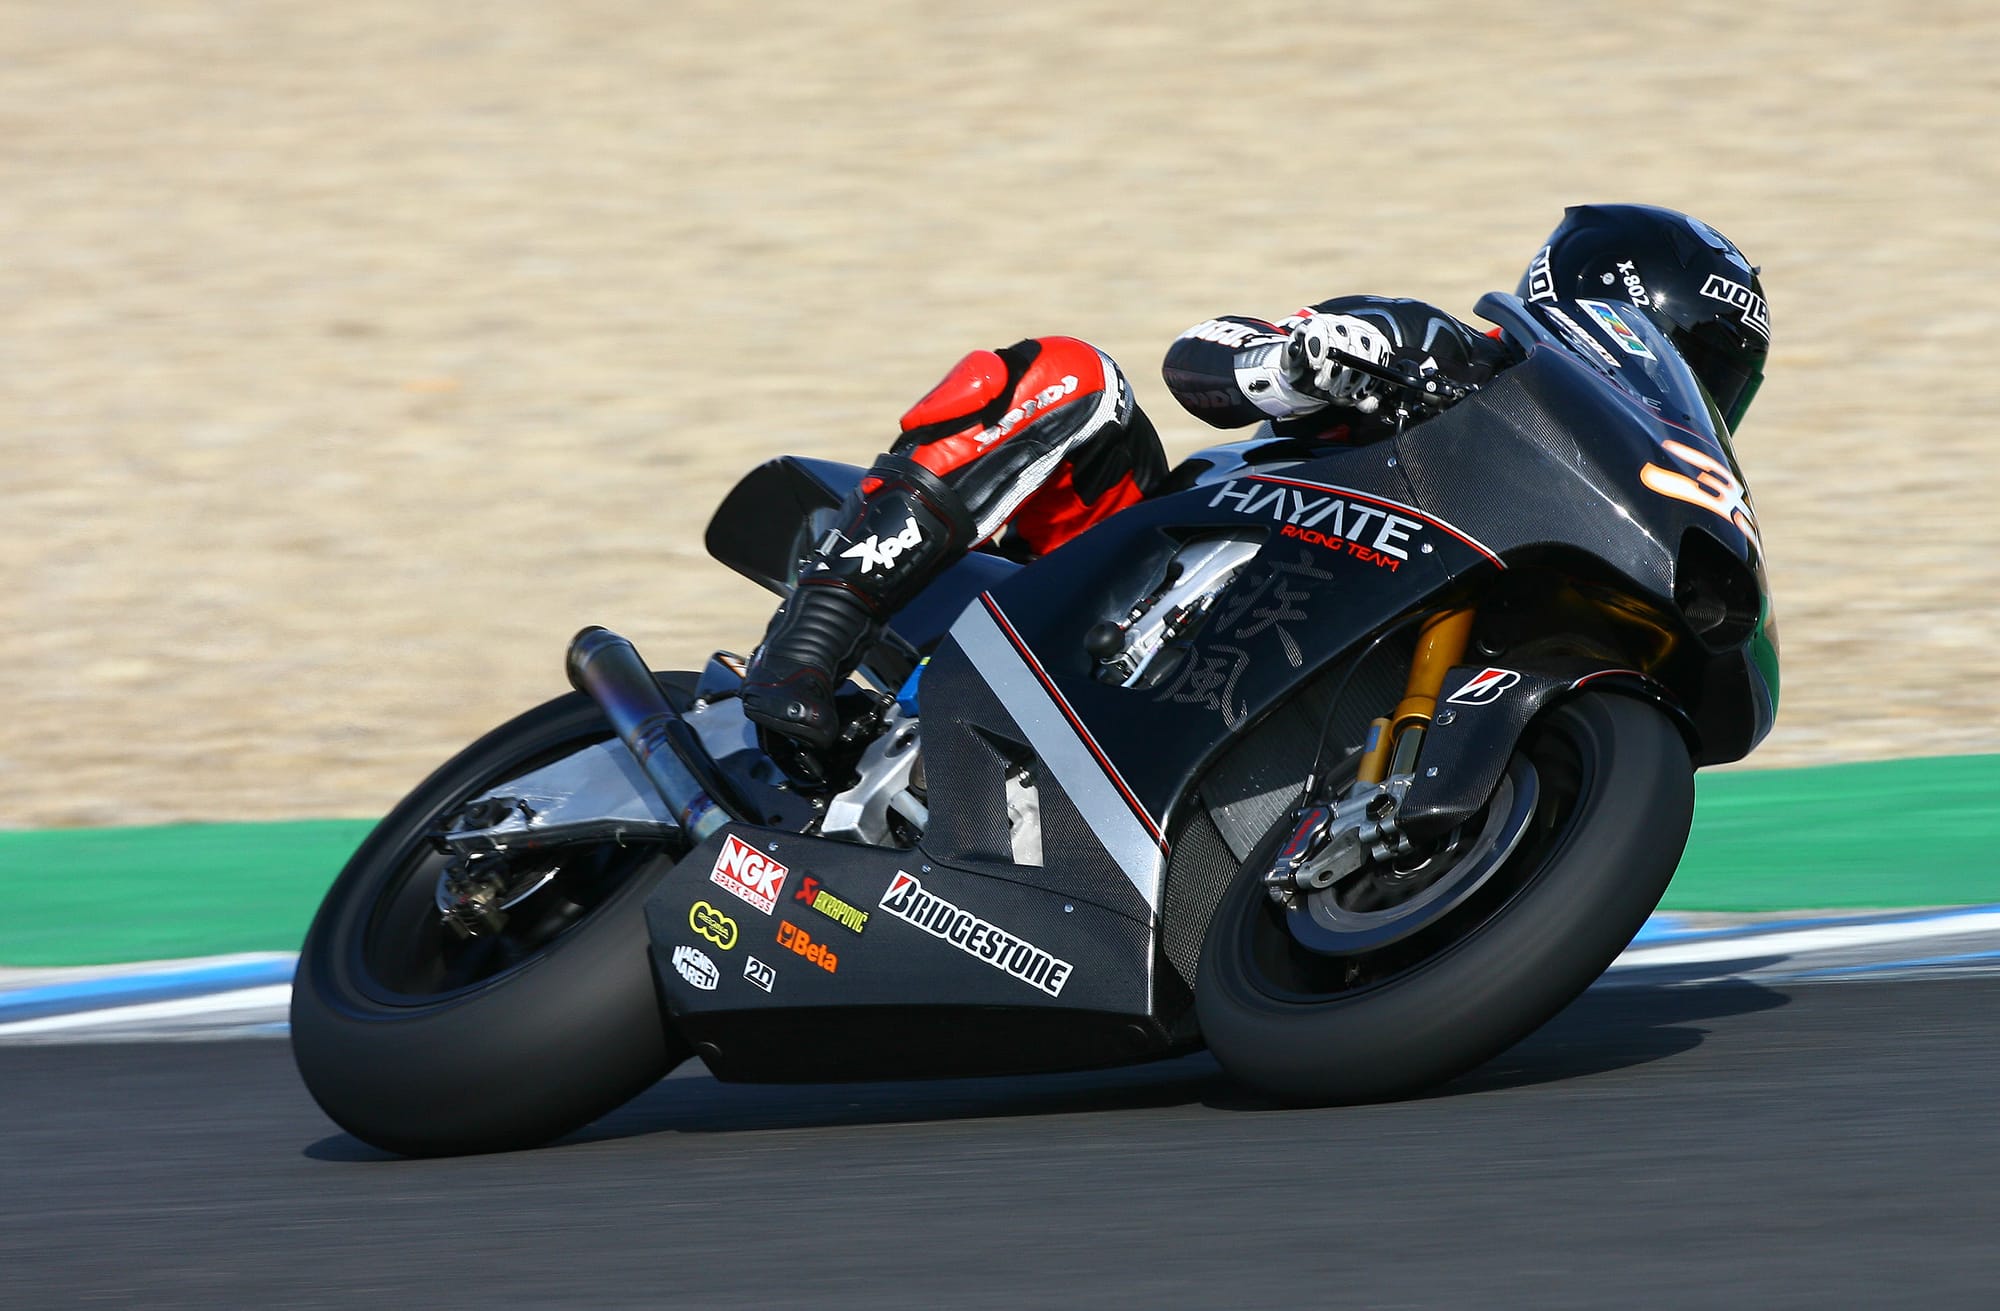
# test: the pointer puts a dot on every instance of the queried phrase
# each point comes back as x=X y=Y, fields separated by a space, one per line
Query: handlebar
x=1423 y=391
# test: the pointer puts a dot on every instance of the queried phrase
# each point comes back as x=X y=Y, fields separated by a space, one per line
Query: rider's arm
x=1233 y=371
x=1423 y=338
x=1229 y=372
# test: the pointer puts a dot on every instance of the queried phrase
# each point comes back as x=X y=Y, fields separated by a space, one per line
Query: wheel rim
x=1376 y=908
x=1281 y=968
x=405 y=956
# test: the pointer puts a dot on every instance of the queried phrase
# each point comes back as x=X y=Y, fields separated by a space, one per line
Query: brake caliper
x=1330 y=842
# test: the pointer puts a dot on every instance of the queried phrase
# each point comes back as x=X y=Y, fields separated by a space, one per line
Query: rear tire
x=1616 y=805
x=422 y=1045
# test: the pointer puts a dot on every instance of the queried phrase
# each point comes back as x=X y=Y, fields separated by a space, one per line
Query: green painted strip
x=1889 y=834
x=1883 y=834
x=97 y=896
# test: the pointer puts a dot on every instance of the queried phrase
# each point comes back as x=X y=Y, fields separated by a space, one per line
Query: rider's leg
x=1008 y=434
x=899 y=530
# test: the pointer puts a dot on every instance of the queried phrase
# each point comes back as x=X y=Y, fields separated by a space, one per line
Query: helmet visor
x=1730 y=378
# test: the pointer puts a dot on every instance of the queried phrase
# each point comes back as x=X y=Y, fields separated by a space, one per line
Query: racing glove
x=1311 y=364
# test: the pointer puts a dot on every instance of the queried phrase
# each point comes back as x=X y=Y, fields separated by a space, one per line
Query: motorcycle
x=1353 y=765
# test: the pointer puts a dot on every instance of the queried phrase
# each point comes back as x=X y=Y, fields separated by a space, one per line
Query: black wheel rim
x=1280 y=968
x=406 y=956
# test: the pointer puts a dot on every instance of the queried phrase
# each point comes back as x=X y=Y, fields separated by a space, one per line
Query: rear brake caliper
x=481 y=884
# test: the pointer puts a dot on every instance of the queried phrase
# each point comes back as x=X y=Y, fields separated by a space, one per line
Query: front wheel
x=1614 y=805
x=423 y=1042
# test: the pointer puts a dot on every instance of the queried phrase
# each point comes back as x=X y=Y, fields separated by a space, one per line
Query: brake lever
x=1430 y=391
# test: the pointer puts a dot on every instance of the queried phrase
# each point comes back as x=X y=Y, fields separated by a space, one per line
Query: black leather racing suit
x=1226 y=372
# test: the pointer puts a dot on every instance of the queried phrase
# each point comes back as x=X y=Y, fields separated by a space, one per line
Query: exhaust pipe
x=607 y=668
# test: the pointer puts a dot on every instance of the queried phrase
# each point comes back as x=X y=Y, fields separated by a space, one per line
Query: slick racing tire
x=1615 y=802
x=423 y=1043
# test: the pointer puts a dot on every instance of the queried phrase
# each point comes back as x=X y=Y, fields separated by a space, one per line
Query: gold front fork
x=1441 y=644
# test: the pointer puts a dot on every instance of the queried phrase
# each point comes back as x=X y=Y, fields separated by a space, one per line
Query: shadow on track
x=1615 y=1028
x=1604 y=1030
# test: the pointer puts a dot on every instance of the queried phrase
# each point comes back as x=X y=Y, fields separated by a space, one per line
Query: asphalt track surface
x=1729 y=1145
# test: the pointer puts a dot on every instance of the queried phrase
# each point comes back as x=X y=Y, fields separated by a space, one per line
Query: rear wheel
x=1614 y=802
x=422 y=1042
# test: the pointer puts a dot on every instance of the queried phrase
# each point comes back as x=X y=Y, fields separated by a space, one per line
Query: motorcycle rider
x=1043 y=439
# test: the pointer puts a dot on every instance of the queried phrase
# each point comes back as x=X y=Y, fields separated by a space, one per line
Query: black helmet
x=1688 y=277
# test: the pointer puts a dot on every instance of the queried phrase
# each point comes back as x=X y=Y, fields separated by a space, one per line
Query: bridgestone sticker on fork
x=907 y=900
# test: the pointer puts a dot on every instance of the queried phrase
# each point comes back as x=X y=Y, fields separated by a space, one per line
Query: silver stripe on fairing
x=1049 y=732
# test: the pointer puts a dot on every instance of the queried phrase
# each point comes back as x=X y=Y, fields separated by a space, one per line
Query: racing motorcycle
x=1354 y=765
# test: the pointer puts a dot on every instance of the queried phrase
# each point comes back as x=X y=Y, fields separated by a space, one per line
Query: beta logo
x=693 y=964
x=759 y=974
x=1484 y=687
x=800 y=943
x=884 y=549
x=712 y=924
x=812 y=894
x=743 y=871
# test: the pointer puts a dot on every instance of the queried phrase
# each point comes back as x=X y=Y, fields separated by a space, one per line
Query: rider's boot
x=900 y=529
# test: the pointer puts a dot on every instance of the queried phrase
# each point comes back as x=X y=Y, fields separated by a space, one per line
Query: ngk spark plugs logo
x=746 y=872
x=1356 y=528
x=907 y=900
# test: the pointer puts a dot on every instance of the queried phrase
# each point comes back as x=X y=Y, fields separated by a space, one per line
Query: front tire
x=424 y=1045
x=1616 y=805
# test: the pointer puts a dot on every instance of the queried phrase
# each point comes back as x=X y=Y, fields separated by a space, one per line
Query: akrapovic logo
x=906 y=899
x=812 y=894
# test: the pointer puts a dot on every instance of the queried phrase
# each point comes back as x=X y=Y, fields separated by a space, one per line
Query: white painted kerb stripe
x=272 y=996
x=1795 y=942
